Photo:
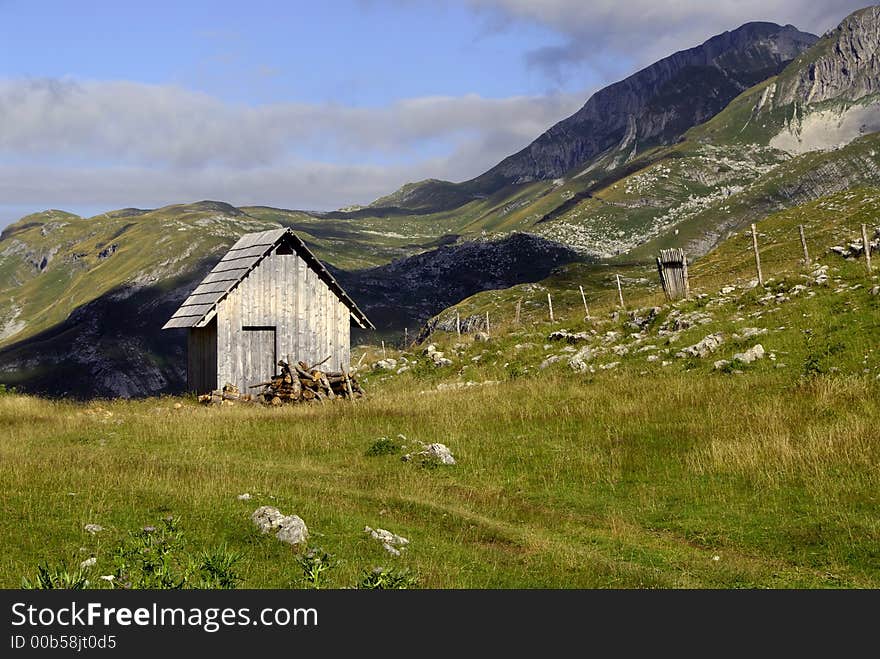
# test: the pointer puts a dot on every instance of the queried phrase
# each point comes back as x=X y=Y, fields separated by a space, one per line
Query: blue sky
x=310 y=105
x=349 y=52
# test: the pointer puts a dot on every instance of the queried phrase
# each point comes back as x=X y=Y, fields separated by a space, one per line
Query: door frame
x=266 y=328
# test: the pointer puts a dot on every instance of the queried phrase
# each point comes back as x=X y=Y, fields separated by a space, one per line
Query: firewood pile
x=300 y=382
x=294 y=383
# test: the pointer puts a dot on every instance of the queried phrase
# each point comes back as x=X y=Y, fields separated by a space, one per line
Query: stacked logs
x=295 y=383
x=228 y=395
x=300 y=382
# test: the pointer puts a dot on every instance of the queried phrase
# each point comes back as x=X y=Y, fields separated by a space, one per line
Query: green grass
x=641 y=476
x=560 y=482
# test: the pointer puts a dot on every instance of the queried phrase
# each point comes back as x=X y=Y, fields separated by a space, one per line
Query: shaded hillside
x=113 y=345
x=405 y=293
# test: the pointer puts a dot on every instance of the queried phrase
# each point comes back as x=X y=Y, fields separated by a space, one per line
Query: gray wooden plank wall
x=310 y=322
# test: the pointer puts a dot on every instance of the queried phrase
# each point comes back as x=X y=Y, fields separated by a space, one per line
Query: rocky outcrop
x=289 y=529
x=831 y=95
x=845 y=65
x=655 y=105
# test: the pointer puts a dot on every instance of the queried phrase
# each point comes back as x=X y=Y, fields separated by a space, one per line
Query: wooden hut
x=268 y=298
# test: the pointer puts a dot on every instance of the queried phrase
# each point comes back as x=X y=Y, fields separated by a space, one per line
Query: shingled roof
x=245 y=255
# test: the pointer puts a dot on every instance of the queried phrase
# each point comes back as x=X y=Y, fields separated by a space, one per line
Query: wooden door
x=258 y=358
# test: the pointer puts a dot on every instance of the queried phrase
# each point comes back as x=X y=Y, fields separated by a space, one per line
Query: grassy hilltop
x=658 y=471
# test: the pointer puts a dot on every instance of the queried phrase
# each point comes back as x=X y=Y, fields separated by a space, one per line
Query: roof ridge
x=246 y=254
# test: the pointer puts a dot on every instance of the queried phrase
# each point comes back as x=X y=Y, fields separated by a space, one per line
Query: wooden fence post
x=684 y=274
x=518 y=306
x=867 y=247
x=620 y=292
x=584 y=298
x=458 y=323
x=757 y=256
x=487 y=324
x=550 y=306
x=405 y=337
x=384 y=356
x=804 y=245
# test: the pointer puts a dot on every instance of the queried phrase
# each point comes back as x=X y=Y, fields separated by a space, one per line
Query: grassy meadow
x=690 y=481
x=648 y=470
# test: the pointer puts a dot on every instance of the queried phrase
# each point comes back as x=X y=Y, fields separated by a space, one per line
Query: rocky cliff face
x=831 y=95
x=845 y=66
x=657 y=104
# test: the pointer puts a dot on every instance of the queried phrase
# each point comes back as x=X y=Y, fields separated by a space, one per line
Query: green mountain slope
x=781 y=142
x=68 y=283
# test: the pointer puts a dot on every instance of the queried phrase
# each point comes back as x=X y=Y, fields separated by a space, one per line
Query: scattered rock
x=290 y=529
x=293 y=531
x=391 y=542
x=267 y=518
x=481 y=337
x=569 y=337
x=93 y=528
x=89 y=562
x=439 y=359
x=749 y=333
x=385 y=365
x=552 y=359
x=609 y=366
x=641 y=318
x=244 y=497
x=432 y=453
x=445 y=386
x=752 y=354
x=705 y=346
x=578 y=361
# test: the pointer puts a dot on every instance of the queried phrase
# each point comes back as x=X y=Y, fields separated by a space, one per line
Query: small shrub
x=218 y=568
x=385 y=446
x=382 y=578
x=691 y=363
x=56 y=577
x=734 y=365
x=314 y=564
x=7 y=390
x=812 y=366
x=152 y=558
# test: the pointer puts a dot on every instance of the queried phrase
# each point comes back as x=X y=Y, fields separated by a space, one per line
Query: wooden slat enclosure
x=672 y=268
x=268 y=298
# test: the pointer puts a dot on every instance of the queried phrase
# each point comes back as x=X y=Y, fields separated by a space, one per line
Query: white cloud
x=75 y=143
x=68 y=142
x=643 y=31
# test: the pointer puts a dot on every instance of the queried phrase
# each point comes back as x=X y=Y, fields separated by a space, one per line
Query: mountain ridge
x=636 y=112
